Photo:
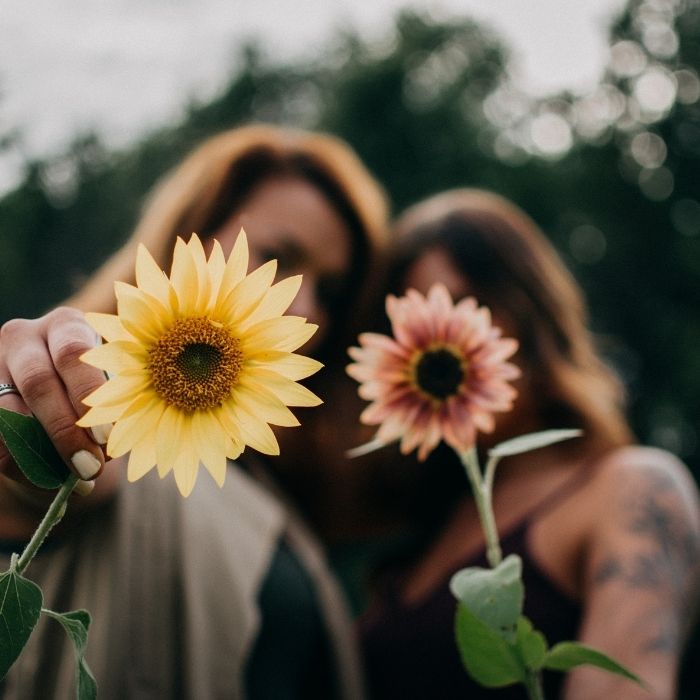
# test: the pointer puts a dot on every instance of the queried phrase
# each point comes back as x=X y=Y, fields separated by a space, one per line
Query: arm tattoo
x=667 y=558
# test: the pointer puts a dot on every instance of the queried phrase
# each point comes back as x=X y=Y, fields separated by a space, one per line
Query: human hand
x=40 y=359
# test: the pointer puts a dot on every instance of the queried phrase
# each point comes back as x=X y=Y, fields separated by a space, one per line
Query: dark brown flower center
x=195 y=364
x=439 y=373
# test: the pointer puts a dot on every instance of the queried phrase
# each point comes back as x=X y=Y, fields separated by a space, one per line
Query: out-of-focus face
x=435 y=265
x=288 y=219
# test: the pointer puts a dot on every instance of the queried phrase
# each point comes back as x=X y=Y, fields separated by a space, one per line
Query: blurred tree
x=611 y=176
x=413 y=107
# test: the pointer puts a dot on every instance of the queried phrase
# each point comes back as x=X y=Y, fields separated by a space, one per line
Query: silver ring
x=8 y=388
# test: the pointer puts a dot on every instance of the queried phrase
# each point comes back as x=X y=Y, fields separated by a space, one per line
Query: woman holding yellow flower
x=225 y=593
x=608 y=532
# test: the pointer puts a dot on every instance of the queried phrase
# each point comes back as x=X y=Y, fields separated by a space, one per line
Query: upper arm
x=640 y=574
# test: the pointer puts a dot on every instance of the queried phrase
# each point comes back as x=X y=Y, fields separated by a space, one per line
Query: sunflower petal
x=256 y=400
x=117 y=356
x=289 y=365
x=235 y=270
x=108 y=326
x=186 y=466
x=144 y=414
x=142 y=459
x=141 y=314
x=287 y=391
x=184 y=278
x=210 y=444
x=217 y=265
x=118 y=390
x=150 y=278
x=285 y=333
x=169 y=439
x=276 y=301
x=256 y=433
x=247 y=295
x=199 y=259
x=99 y=415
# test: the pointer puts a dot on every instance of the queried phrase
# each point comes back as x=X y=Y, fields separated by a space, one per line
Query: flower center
x=195 y=364
x=439 y=373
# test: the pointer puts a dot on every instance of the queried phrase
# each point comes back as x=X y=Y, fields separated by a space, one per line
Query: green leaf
x=532 y=441
x=531 y=645
x=489 y=659
x=20 y=606
x=494 y=596
x=32 y=450
x=567 y=655
x=76 y=625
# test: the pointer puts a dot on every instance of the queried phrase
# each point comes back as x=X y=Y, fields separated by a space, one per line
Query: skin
x=287 y=219
x=626 y=544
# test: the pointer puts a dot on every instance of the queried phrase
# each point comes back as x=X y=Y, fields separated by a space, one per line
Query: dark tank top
x=410 y=650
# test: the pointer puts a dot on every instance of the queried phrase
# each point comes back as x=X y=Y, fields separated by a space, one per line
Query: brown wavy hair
x=511 y=267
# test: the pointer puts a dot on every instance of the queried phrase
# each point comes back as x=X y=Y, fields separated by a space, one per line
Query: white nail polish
x=86 y=464
x=100 y=433
x=84 y=488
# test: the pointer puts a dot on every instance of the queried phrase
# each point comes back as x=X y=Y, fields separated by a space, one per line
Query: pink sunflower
x=441 y=377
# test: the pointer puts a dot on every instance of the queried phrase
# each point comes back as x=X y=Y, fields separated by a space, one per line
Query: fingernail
x=86 y=464
x=100 y=433
x=84 y=488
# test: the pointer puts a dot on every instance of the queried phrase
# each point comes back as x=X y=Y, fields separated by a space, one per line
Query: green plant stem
x=490 y=473
x=482 y=495
x=533 y=685
x=52 y=517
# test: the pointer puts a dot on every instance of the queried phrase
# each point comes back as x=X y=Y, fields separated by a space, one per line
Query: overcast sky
x=123 y=66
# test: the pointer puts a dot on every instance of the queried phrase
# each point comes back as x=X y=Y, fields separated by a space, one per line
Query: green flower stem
x=533 y=685
x=482 y=495
x=52 y=517
x=490 y=473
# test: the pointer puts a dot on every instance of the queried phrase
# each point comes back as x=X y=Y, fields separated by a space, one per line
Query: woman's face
x=435 y=265
x=290 y=220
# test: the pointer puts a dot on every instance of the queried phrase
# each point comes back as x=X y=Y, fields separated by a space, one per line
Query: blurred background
x=585 y=114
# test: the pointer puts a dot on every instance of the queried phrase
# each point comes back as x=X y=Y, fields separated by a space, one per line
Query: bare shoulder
x=632 y=473
x=647 y=526
x=642 y=563
x=646 y=497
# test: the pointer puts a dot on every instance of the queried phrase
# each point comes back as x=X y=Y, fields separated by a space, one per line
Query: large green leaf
x=32 y=450
x=76 y=625
x=494 y=596
x=20 y=607
x=487 y=656
x=567 y=655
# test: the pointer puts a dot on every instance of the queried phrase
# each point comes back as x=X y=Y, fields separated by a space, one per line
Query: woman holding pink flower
x=608 y=532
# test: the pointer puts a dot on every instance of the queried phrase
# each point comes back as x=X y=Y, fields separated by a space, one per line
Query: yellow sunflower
x=200 y=363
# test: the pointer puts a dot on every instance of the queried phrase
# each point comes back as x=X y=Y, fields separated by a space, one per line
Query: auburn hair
x=215 y=180
x=511 y=267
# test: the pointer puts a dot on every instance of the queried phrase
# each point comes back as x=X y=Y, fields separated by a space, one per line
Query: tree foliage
x=611 y=176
